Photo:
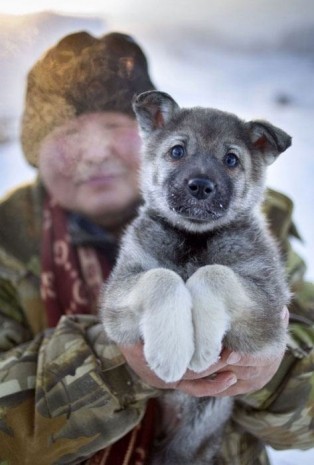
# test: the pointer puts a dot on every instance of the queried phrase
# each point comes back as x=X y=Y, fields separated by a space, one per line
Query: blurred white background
x=255 y=59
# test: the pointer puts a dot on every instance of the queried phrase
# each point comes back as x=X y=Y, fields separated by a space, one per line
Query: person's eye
x=231 y=160
x=177 y=152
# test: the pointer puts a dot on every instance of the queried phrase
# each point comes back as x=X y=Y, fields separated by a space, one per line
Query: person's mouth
x=98 y=179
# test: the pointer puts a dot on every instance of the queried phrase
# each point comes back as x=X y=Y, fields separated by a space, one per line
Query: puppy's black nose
x=201 y=188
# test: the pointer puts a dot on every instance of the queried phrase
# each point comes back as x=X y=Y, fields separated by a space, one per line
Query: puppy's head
x=202 y=167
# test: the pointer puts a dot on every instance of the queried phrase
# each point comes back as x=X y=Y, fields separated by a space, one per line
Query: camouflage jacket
x=67 y=392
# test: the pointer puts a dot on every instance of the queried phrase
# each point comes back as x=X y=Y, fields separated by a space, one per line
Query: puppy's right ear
x=269 y=140
x=153 y=110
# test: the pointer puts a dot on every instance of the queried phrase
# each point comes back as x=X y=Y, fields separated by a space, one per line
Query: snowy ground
x=252 y=58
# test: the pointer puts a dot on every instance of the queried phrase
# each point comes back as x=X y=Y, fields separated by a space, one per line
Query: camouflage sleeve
x=64 y=394
x=282 y=413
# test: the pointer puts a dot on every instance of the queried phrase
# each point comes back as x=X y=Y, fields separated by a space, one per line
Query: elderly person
x=67 y=394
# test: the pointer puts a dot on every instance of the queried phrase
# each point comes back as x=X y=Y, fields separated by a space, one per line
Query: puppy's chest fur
x=185 y=252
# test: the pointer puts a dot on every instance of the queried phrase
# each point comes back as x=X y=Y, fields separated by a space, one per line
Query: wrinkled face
x=90 y=164
x=199 y=171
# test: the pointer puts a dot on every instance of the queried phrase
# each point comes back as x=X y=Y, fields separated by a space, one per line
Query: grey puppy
x=198 y=268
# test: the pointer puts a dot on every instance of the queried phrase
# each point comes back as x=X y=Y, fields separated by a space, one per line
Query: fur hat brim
x=81 y=74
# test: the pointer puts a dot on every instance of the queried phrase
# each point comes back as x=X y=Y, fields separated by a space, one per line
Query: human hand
x=206 y=383
x=232 y=375
x=253 y=372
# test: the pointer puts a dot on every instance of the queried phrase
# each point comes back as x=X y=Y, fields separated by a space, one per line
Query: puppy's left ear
x=269 y=140
x=153 y=110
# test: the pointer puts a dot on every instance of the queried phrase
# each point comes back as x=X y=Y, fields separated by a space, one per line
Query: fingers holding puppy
x=253 y=372
x=232 y=375
x=208 y=383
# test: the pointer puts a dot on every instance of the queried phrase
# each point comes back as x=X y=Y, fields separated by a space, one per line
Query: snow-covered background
x=253 y=58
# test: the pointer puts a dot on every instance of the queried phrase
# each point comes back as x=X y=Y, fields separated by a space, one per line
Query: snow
x=255 y=59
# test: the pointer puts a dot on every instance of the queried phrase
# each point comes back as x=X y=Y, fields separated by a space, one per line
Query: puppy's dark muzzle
x=201 y=188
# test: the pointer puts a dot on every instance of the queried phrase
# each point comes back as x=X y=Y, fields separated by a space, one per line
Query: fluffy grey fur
x=198 y=268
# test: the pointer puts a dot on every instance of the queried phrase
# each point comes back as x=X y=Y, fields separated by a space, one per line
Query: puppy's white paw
x=210 y=318
x=167 y=330
x=169 y=356
x=210 y=326
x=205 y=356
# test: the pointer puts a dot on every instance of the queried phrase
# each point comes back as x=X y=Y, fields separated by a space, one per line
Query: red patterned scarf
x=71 y=278
x=134 y=448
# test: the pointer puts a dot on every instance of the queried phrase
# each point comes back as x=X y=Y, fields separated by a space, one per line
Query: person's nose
x=99 y=149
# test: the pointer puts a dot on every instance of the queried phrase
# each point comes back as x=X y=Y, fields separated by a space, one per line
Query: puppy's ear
x=269 y=140
x=153 y=110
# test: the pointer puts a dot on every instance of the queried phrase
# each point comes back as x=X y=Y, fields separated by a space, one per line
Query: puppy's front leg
x=213 y=287
x=159 y=306
x=166 y=323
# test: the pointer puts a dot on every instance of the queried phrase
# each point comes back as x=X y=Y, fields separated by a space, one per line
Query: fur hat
x=81 y=74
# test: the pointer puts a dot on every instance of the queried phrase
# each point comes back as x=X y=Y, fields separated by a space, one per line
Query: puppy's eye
x=231 y=160
x=177 y=152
